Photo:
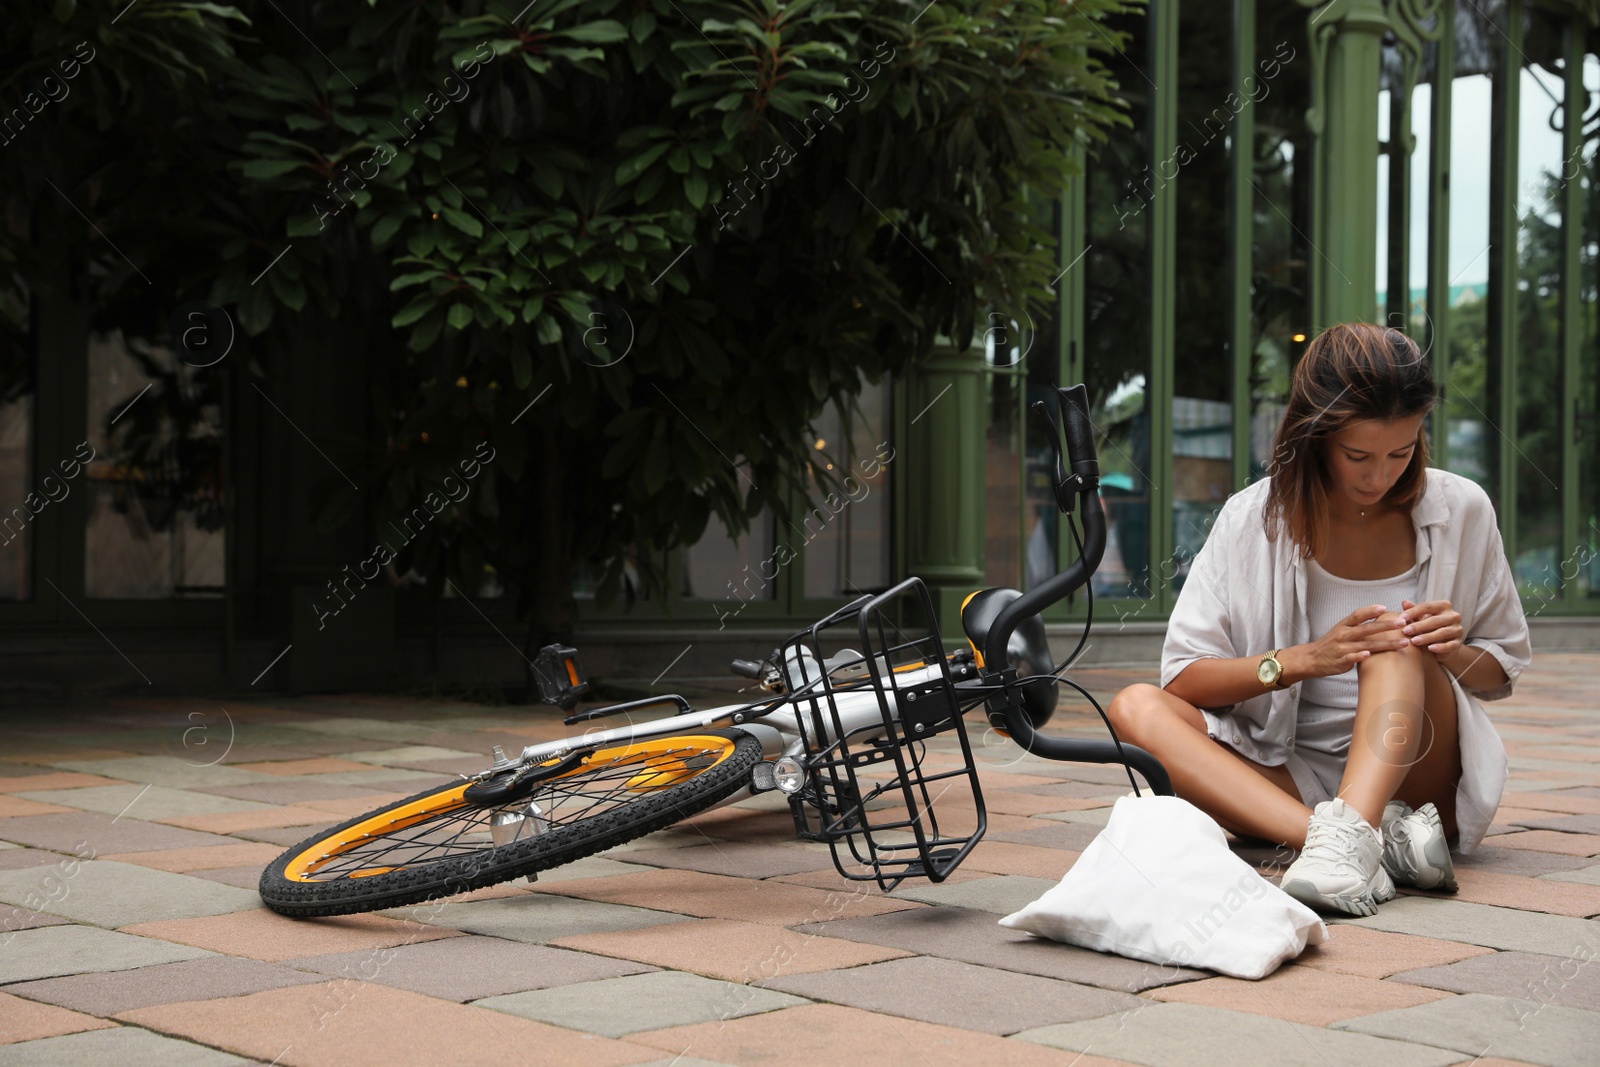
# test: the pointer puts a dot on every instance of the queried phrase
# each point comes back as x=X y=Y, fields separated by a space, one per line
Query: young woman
x=1323 y=667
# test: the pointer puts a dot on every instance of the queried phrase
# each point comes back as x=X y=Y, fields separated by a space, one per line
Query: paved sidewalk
x=132 y=835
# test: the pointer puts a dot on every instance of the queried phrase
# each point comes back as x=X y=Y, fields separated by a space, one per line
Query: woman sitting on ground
x=1325 y=660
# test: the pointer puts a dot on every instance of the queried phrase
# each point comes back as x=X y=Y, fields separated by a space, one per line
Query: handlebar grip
x=747 y=668
x=1079 y=431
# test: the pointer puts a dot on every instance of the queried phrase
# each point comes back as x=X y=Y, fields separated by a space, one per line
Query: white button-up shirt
x=1246 y=595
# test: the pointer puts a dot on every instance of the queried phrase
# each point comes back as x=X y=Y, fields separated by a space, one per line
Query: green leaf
x=460 y=316
x=413 y=311
x=531 y=309
x=385 y=228
x=694 y=187
x=463 y=221
x=603 y=31
x=644 y=24
x=269 y=168
x=521 y=368
x=632 y=168
x=548 y=329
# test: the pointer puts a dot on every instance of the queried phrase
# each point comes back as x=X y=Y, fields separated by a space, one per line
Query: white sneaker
x=1415 y=851
x=1341 y=866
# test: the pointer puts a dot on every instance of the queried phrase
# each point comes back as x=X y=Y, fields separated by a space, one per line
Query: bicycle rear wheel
x=438 y=843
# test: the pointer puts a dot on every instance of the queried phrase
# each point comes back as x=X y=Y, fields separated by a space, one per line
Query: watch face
x=1266 y=672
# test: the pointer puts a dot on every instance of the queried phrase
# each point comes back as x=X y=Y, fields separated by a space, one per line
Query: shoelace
x=1341 y=839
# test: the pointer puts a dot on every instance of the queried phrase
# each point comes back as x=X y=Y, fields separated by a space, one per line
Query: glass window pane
x=718 y=567
x=1202 y=395
x=1538 y=296
x=1416 y=313
x=1473 y=440
x=1042 y=521
x=1116 y=328
x=1585 y=567
x=1280 y=311
x=17 y=369
x=844 y=537
x=155 y=509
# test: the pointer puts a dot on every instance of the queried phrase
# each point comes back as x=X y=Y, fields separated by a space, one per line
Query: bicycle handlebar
x=1082 y=485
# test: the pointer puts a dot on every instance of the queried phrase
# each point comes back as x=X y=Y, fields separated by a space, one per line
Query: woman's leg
x=1404 y=741
x=1242 y=795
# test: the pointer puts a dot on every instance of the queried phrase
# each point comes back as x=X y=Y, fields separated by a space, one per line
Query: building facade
x=1286 y=166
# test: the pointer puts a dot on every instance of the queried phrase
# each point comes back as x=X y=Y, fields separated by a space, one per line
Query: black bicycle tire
x=557 y=846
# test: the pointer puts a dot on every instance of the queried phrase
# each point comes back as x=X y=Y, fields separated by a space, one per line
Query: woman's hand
x=1433 y=623
x=1354 y=638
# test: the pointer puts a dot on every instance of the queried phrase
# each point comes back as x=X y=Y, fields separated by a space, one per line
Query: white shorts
x=1321 y=747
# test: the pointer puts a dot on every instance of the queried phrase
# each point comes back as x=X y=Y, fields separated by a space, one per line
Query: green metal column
x=942 y=465
x=1345 y=275
x=1241 y=161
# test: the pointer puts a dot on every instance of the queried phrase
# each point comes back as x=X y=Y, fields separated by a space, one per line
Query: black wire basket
x=871 y=791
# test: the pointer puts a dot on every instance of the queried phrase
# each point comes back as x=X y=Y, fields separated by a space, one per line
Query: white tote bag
x=1160 y=884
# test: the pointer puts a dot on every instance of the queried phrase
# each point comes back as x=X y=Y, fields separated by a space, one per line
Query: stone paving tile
x=290 y=791
x=621 y=1006
x=1571 y=982
x=471 y=968
x=205 y=978
x=1553 y=841
x=1002 y=894
x=80 y=832
x=370 y=1025
x=1582 y=876
x=246 y=877
x=297 y=767
x=285 y=836
x=1573 y=805
x=1177 y=1035
x=185 y=860
x=1016 y=802
x=729 y=950
x=25 y=1020
x=712 y=896
x=1309 y=995
x=1475 y=1023
x=832 y=879
x=1068 y=836
x=13 y=805
x=828 y=1033
x=16 y=858
x=24 y=918
x=1478 y=924
x=52 y=951
x=1575 y=824
x=1526 y=894
x=389 y=757
x=977 y=937
x=1381 y=953
x=740 y=859
x=163 y=771
x=1005 y=857
x=935 y=990
x=104 y=893
x=41 y=779
x=121 y=1046
x=149 y=802
x=266 y=818
x=266 y=935
x=539 y=918
x=1521 y=861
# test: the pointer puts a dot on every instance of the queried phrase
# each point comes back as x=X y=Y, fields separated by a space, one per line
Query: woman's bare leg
x=1405 y=732
x=1244 y=797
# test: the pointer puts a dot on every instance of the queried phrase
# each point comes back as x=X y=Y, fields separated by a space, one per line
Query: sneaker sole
x=1303 y=891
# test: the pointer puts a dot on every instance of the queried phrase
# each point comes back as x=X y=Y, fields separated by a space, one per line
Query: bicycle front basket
x=884 y=741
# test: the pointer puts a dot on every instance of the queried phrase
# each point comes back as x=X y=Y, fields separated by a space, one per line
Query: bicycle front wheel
x=439 y=843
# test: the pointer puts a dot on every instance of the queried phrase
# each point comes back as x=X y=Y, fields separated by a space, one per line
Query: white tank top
x=1330 y=599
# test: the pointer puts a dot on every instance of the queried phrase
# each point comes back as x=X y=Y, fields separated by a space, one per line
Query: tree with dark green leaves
x=679 y=228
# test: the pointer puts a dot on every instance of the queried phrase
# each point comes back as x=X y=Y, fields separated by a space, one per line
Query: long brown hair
x=1350 y=373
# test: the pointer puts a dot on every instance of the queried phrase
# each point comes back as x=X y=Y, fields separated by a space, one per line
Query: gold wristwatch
x=1270 y=671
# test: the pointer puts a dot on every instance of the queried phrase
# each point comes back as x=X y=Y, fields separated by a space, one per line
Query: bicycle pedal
x=532 y=878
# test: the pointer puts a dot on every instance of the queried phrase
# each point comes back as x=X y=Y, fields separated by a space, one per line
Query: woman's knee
x=1132 y=710
x=1404 y=657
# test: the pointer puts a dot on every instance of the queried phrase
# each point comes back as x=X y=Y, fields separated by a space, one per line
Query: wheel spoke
x=462 y=829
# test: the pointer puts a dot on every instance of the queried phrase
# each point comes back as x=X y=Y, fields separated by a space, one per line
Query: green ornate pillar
x=1346 y=46
x=941 y=465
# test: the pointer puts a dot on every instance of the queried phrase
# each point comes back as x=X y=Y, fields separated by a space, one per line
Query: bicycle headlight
x=788 y=775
